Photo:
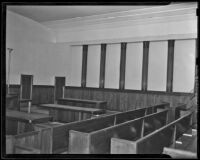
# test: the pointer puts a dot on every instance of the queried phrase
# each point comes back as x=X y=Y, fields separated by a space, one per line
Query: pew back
x=98 y=141
x=154 y=142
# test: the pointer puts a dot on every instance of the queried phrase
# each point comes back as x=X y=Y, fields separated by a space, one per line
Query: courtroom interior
x=101 y=79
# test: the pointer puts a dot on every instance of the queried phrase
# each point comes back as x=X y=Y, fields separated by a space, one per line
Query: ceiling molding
x=120 y=17
x=129 y=23
x=135 y=39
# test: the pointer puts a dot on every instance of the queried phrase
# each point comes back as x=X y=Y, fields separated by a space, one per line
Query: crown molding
x=129 y=23
x=145 y=14
x=134 y=39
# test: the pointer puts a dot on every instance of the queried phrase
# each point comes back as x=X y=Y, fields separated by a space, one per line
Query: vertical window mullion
x=122 y=66
x=170 y=65
x=102 y=66
x=145 y=65
x=84 y=66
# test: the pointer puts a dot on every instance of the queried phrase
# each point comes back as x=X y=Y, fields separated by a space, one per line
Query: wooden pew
x=180 y=154
x=96 y=140
x=60 y=134
x=154 y=142
x=34 y=142
x=184 y=147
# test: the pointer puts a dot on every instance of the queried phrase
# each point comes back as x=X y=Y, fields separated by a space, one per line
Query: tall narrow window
x=157 y=69
x=112 y=68
x=76 y=66
x=184 y=66
x=133 y=72
x=93 y=65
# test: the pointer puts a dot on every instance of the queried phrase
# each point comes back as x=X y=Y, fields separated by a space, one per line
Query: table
x=83 y=102
x=80 y=110
x=19 y=122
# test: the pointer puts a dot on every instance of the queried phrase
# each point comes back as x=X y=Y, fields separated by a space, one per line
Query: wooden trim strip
x=102 y=66
x=122 y=66
x=170 y=65
x=84 y=66
x=145 y=65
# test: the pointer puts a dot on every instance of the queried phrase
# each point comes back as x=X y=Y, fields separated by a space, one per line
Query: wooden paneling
x=116 y=99
x=122 y=101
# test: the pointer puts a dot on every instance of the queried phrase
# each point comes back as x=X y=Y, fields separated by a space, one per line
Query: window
x=157 y=66
x=76 y=66
x=93 y=65
x=133 y=72
x=184 y=66
x=112 y=68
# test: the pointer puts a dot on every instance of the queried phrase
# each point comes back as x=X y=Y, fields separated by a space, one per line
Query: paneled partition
x=116 y=100
x=122 y=101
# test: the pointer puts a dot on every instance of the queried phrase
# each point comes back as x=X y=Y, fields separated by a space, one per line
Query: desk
x=19 y=122
x=82 y=102
x=80 y=110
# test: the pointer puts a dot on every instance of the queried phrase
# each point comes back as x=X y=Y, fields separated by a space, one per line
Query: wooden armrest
x=176 y=153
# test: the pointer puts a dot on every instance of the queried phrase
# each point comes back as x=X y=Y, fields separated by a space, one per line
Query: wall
x=177 y=21
x=34 y=51
x=160 y=21
x=44 y=49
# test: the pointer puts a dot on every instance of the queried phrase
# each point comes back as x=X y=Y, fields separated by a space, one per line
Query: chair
x=59 y=89
x=26 y=86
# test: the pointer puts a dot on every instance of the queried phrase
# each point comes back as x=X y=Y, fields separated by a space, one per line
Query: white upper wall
x=34 y=51
x=44 y=49
x=164 y=22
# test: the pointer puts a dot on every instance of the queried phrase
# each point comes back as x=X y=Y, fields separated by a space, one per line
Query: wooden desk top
x=27 y=117
x=81 y=100
x=72 y=108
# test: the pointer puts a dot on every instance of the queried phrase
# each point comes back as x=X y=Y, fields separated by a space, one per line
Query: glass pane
x=93 y=65
x=184 y=66
x=133 y=75
x=157 y=66
x=112 y=67
x=76 y=66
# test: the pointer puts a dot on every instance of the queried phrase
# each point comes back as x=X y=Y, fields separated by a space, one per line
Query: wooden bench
x=57 y=110
x=18 y=122
x=96 y=140
x=60 y=134
x=184 y=147
x=154 y=142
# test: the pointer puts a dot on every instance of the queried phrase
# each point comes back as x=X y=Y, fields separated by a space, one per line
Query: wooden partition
x=29 y=143
x=97 y=140
x=26 y=86
x=59 y=88
x=154 y=142
x=60 y=134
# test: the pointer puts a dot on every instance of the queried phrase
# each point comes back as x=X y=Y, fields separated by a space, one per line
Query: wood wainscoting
x=119 y=100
